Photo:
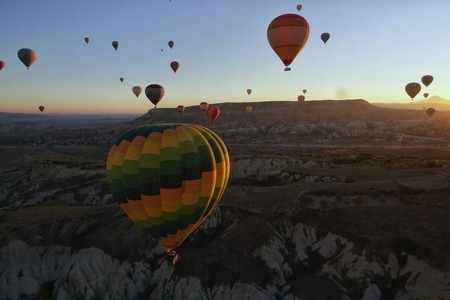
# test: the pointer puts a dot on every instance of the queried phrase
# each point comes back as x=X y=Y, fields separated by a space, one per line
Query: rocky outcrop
x=294 y=254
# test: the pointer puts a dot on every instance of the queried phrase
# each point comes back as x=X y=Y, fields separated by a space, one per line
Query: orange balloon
x=174 y=66
x=2 y=64
x=213 y=112
x=137 y=90
x=287 y=35
x=412 y=89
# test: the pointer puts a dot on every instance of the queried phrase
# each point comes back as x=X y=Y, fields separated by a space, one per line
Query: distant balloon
x=154 y=93
x=86 y=40
x=27 y=56
x=427 y=80
x=304 y=91
x=137 y=90
x=430 y=111
x=213 y=112
x=249 y=109
x=121 y=79
x=425 y=95
x=249 y=91
x=325 y=37
x=204 y=106
x=180 y=108
x=412 y=89
x=174 y=66
x=115 y=45
x=299 y=7
x=171 y=44
x=287 y=35
x=41 y=108
x=2 y=64
x=301 y=99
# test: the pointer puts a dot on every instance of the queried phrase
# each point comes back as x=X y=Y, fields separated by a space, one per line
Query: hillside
x=436 y=102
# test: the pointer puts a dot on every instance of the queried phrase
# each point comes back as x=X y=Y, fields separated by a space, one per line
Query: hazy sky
x=375 y=49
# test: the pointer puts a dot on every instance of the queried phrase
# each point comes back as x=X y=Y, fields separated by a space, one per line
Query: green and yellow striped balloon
x=168 y=178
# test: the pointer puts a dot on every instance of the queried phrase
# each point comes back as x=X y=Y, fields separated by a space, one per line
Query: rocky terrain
x=326 y=200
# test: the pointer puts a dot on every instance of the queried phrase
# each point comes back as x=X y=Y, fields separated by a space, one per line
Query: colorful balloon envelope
x=174 y=65
x=154 y=93
x=427 y=80
x=299 y=7
x=27 y=56
x=180 y=108
x=213 y=113
x=412 y=89
x=204 y=106
x=2 y=64
x=430 y=111
x=287 y=35
x=325 y=37
x=137 y=90
x=115 y=45
x=168 y=178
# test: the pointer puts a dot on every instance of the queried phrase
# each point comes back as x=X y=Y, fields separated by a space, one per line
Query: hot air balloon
x=287 y=35
x=212 y=112
x=299 y=7
x=325 y=37
x=304 y=91
x=115 y=45
x=27 y=56
x=180 y=108
x=249 y=109
x=174 y=66
x=171 y=43
x=154 y=93
x=86 y=40
x=204 y=106
x=2 y=64
x=137 y=90
x=425 y=95
x=427 y=80
x=301 y=99
x=412 y=89
x=168 y=178
x=430 y=111
x=41 y=108
x=249 y=91
x=121 y=79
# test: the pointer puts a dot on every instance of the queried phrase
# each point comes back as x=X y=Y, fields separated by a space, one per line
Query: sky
x=375 y=49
